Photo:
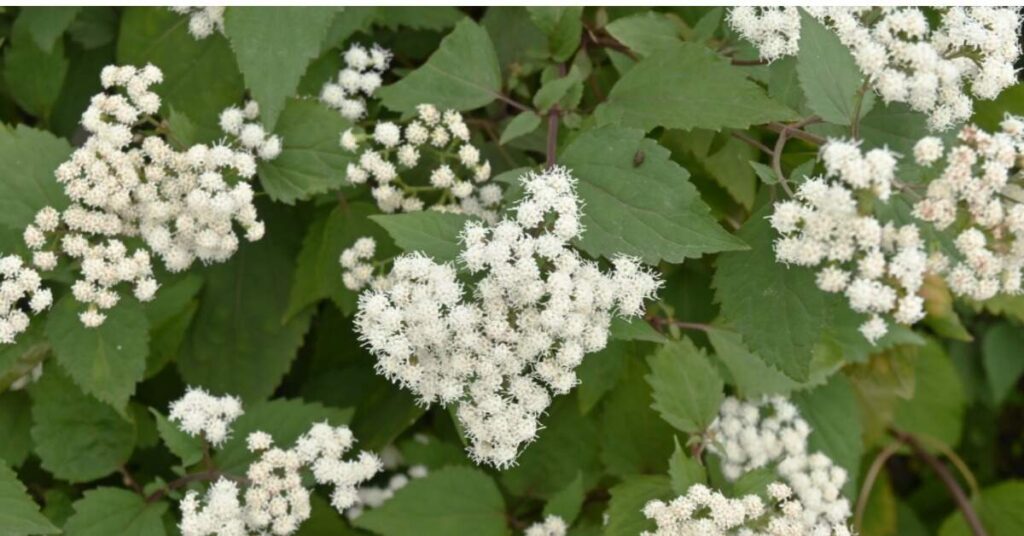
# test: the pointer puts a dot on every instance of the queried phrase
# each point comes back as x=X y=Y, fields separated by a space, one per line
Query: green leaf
x=567 y=503
x=454 y=500
x=555 y=90
x=28 y=158
x=684 y=471
x=435 y=234
x=751 y=376
x=777 y=309
x=1003 y=364
x=645 y=33
x=46 y=24
x=33 y=76
x=634 y=439
x=19 y=514
x=727 y=163
x=105 y=511
x=283 y=419
x=15 y=421
x=635 y=329
x=938 y=406
x=201 y=77
x=562 y=25
x=1000 y=507
x=94 y=27
x=189 y=449
x=311 y=161
x=434 y=18
x=650 y=211
x=77 y=437
x=625 y=516
x=828 y=74
x=170 y=314
x=273 y=46
x=600 y=372
x=834 y=416
x=106 y=361
x=520 y=126
x=688 y=86
x=686 y=388
x=517 y=39
x=462 y=74
x=238 y=343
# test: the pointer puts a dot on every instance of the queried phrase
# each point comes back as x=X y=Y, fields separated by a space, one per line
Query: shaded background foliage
x=650 y=109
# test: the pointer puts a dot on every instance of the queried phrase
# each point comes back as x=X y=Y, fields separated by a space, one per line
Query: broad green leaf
x=311 y=161
x=169 y=315
x=77 y=437
x=283 y=419
x=519 y=126
x=19 y=514
x=752 y=377
x=273 y=46
x=555 y=90
x=238 y=343
x=105 y=361
x=646 y=32
x=777 y=309
x=1000 y=507
x=318 y=272
x=687 y=86
x=105 y=511
x=435 y=234
x=33 y=76
x=600 y=372
x=880 y=384
x=828 y=74
x=989 y=113
x=189 y=449
x=18 y=360
x=938 y=406
x=562 y=25
x=462 y=74
x=728 y=164
x=625 y=516
x=418 y=17
x=201 y=76
x=686 y=388
x=566 y=446
x=517 y=40
x=28 y=158
x=81 y=83
x=46 y=24
x=753 y=481
x=566 y=503
x=635 y=329
x=684 y=471
x=15 y=421
x=1004 y=363
x=650 y=211
x=634 y=439
x=833 y=414
x=94 y=27
x=454 y=500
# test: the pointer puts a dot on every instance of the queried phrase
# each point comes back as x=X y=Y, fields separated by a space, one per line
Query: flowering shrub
x=511 y=270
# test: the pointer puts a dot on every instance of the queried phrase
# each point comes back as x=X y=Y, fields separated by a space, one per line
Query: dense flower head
x=202 y=21
x=749 y=435
x=978 y=185
x=356 y=267
x=552 y=525
x=499 y=351
x=19 y=282
x=274 y=499
x=879 y=267
x=936 y=70
x=125 y=182
x=435 y=143
x=200 y=413
x=358 y=81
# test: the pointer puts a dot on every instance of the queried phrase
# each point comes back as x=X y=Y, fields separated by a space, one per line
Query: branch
x=751 y=142
x=513 y=103
x=869 y=482
x=748 y=63
x=780 y=145
x=659 y=323
x=959 y=497
x=553 y=119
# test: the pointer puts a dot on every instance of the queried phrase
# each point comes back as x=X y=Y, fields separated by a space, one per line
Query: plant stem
x=959 y=497
x=553 y=119
x=869 y=482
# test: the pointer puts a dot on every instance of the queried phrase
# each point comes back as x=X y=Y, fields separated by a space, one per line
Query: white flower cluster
x=749 y=435
x=880 y=268
x=243 y=124
x=980 y=185
x=457 y=173
x=551 y=526
x=124 y=183
x=199 y=412
x=202 y=21
x=537 y=308
x=275 y=499
x=376 y=496
x=356 y=270
x=18 y=282
x=973 y=49
x=357 y=81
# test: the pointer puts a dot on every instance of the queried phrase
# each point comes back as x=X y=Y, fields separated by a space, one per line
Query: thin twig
x=749 y=63
x=660 y=322
x=751 y=142
x=553 y=120
x=780 y=145
x=959 y=497
x=129 y=480
x=513 y=103
x=797 y=133
x=859 y=103
x=869 y=482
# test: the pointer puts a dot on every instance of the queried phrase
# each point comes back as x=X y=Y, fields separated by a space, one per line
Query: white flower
x=358 y=80
x=200 y=413
x=19 y=282
x=551 y=526
x=203 y=21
